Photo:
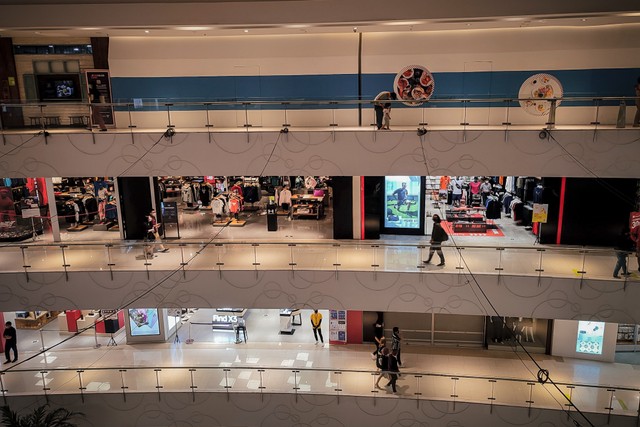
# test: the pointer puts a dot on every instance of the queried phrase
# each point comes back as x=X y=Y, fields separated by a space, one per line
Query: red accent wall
x=72 y=319
x=354 y=327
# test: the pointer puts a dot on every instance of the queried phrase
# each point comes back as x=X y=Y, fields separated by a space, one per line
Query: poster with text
x=99 y=83
x=144 y=321
x=337 y=326
x=590 y=337
x=403 y=201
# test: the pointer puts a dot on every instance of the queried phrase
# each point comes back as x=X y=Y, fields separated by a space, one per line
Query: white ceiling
x=76 y=18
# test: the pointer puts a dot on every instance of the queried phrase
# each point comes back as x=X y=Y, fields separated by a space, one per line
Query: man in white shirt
x=456 y=191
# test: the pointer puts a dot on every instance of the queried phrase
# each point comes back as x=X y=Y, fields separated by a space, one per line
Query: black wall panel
x=343 y=207
x=135 y=203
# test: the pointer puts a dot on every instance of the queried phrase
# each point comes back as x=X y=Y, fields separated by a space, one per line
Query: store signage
x=30 y=213
x=590 y=337
x=100 y=80
x=540 y=212
x=338 y=326
x=170 y=212
x=217 y=318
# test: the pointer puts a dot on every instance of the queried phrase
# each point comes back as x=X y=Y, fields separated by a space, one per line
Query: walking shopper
x=378 y=332
x=10 y=343
x=382 y=362
x=394 y=363
x=395 y=344
x=438 y=235
x=622 y=250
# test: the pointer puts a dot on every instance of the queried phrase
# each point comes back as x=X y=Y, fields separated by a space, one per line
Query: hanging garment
x=187 y=195
x=205 y=195
x=91 y=206
x=285 y=197
x=219 y=206
x=234 y=205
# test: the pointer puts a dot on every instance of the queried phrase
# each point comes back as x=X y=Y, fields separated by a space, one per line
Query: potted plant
x=42 y=416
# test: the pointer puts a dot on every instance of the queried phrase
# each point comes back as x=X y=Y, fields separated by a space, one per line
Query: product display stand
x=112 y=342
x=237 y=223
x=221 y=222
x=78 y=227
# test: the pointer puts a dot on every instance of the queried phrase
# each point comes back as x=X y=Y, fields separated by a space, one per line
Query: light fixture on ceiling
x=146 y=31
x=193 y=28
x=246 y=31
x=584 y=19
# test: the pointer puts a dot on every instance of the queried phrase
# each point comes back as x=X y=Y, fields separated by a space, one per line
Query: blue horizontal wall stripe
x=155 y=91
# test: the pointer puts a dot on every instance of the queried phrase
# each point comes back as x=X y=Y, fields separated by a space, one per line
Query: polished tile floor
x=296 y=364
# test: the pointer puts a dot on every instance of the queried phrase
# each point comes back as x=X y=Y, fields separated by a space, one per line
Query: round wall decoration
x=414 y=85
x=538 y=88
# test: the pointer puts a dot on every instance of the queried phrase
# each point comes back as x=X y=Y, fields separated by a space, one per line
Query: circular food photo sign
x=537 y=89
x=414 y=85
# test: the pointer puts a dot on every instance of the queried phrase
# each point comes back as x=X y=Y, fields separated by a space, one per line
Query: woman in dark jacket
x=438 y=235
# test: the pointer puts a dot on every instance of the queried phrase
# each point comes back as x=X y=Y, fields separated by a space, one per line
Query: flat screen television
x=59 y=87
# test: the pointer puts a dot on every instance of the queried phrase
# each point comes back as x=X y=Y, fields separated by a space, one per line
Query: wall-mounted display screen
x=144 y=321
x=59 y=87
x=590 y=337
x=403 y=202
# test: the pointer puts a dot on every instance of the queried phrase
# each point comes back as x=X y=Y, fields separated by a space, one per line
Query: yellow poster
x=540 y=212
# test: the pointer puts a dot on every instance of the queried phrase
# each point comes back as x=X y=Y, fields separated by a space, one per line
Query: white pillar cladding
x=53 y=210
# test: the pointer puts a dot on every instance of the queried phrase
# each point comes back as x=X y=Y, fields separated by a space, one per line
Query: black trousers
x=317 y=332
x=9 y=345
x=379 y=115
x=393 y=377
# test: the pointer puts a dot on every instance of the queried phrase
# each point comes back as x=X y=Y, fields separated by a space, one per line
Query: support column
x=53 y=210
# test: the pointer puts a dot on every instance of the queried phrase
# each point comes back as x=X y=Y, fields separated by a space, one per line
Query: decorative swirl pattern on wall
x=322 y=152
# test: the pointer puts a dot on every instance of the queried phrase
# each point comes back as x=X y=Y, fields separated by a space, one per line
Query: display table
x=87 y=321
x=306 y=205
x=35 y=319
x=469 y=227
x=287 y=320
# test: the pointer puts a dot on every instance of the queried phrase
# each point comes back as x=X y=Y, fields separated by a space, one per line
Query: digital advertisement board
x=590 y=337
x=144 y=321
x=403 y=203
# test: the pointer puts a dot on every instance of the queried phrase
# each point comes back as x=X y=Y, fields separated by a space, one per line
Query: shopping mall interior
x=215 y=221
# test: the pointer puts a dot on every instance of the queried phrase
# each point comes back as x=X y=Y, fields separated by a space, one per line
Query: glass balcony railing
x=538 y=261
x=152 y=114
x=518 y=392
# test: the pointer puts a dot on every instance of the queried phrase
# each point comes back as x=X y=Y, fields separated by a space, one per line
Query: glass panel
x=355 y=257
x=176 y=379
x=314 y=257
x=517 y=261
x=102 y=381
x=209 y=379
x=399 y=258
x=600 y=264
x=10 y=259
x=44 y=258
x=561 y=263
x=141 y=379
x=514 y=393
